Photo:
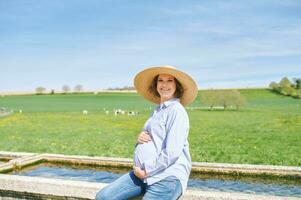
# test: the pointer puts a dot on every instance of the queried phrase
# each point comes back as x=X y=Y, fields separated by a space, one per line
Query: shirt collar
x=165 y=104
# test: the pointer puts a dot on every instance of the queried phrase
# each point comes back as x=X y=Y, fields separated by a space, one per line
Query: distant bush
x=78 y=88
x=40 y=90
x=285 y=82
x=66 y=89
x=299 y=94
x=297 y=83
x=274 y=86
x=288 y=91
x=286 y=87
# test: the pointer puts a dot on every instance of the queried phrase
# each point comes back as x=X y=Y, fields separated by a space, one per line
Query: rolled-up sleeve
x=177 y=128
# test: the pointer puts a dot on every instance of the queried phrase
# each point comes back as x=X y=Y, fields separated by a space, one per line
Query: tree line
x=222 y=98
x=287 y=87
x=65 y=89
x=122 y=88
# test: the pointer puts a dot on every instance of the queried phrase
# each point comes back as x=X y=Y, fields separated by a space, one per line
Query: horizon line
x=11 y=93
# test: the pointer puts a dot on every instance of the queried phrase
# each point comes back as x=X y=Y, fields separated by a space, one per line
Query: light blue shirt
x=167 y=154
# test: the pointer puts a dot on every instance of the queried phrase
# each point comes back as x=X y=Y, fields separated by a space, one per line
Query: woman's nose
x=164 y=83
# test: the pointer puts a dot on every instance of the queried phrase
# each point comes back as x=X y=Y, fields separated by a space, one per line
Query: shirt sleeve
x=177 y=128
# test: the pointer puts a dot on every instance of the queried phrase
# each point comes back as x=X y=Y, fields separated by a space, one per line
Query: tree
x=78 y=88
x=274 y=86
x=211 y=98
x=288 y=91
x=236 y=99
x=40 y=90
x=299 y=94
x=66 y=89
x=285 y=83
x=297 y=83
x=223 y=98
x=287 y=88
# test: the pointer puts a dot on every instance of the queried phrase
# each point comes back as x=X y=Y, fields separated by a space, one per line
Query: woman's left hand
x=143 y=137
x=139 y=172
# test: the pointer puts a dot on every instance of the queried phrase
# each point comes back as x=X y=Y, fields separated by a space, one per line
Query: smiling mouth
x=165 y=90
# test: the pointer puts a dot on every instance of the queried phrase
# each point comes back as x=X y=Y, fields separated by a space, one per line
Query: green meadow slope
x=265 y=131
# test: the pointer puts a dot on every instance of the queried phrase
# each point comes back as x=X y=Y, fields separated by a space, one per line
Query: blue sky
x=104 y=43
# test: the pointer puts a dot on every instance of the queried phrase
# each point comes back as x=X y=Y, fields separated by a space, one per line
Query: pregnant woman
x=162 y=161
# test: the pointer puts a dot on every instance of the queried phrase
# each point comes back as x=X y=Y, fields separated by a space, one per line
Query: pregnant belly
x=143 y=152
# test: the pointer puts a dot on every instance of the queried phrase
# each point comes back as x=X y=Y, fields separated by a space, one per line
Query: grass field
x=265 y=131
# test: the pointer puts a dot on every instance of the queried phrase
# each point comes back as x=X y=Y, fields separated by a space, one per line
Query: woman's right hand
x=143 y=137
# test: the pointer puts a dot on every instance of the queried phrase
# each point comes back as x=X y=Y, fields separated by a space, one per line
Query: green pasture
x=265 y=131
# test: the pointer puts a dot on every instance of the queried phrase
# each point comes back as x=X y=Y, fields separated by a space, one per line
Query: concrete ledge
x=221 y=168
x=226 y=168
x=6 y=167
x=26 y=160
x=44 y=188
x=49 y=187
x=20 y=162
x=12 y=155
x=87 y=160
x=23 y=159
x=66 y=189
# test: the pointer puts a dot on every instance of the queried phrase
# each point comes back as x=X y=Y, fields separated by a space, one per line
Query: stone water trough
x=26 y=187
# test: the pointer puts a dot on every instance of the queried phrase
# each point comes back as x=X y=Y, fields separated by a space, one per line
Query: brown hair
x=153 y=88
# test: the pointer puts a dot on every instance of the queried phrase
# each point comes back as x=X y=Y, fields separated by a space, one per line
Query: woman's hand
x=139 y=172
x=143 y=137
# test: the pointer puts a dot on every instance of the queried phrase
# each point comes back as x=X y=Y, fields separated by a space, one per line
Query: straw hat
x=143 y=81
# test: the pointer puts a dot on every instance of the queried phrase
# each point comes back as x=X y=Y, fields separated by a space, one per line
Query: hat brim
x=143 y=80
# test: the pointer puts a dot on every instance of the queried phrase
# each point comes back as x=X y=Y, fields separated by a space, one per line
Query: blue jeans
x=129 y=186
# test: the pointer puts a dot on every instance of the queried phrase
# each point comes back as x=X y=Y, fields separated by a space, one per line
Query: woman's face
x=166 y=87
